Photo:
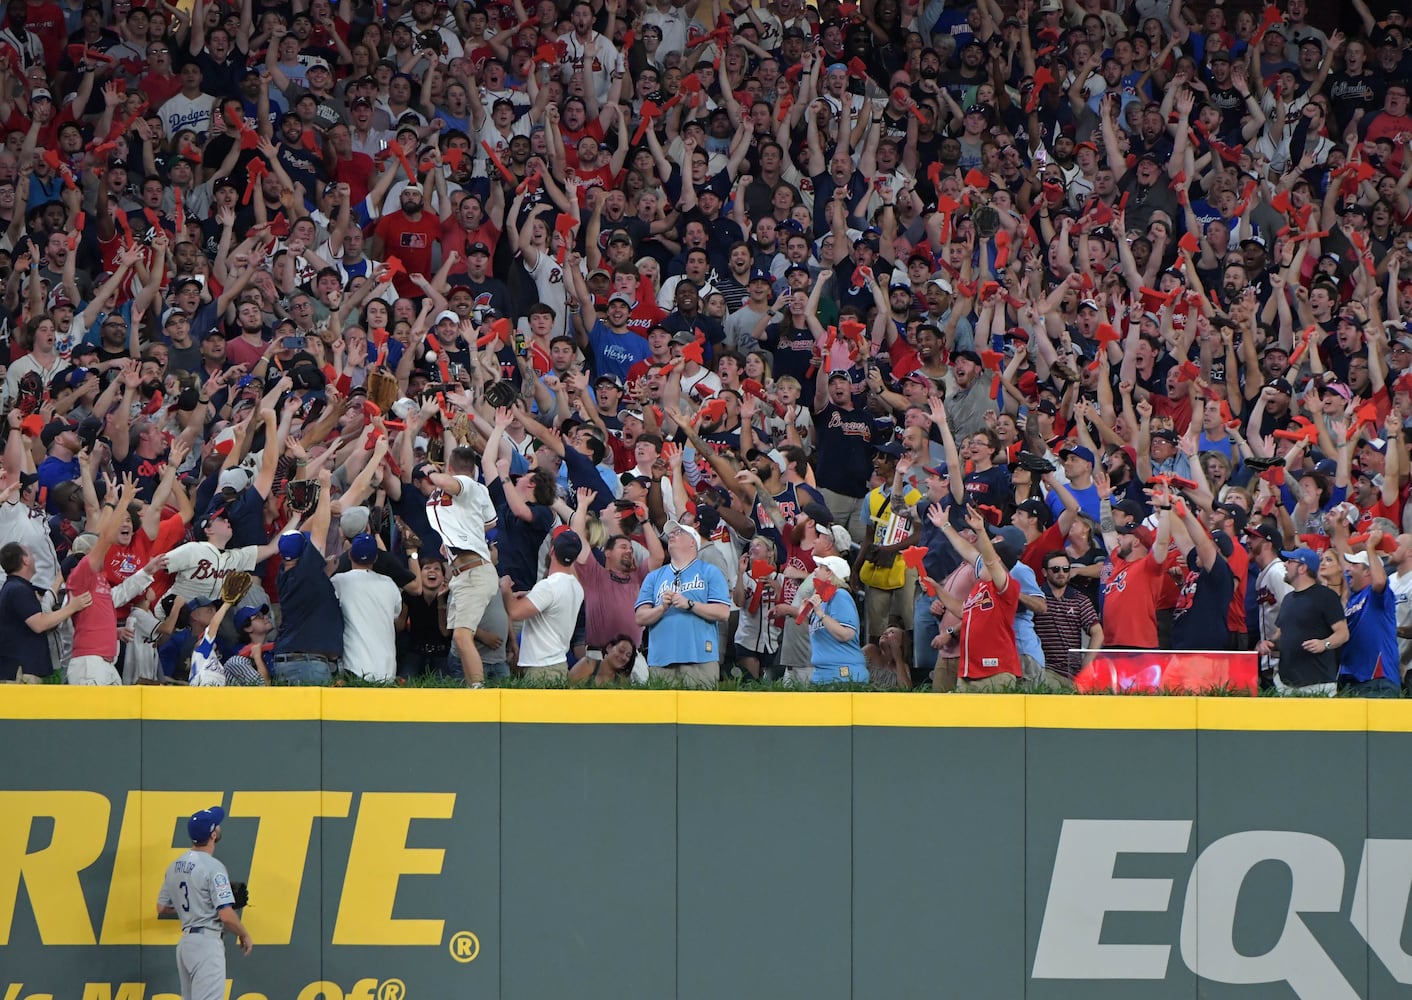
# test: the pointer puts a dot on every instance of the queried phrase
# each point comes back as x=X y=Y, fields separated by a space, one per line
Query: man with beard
x=147 y=448
x=611 y=588
x=409 y=234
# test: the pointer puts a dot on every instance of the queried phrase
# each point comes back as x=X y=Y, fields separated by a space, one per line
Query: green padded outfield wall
x=435 y=845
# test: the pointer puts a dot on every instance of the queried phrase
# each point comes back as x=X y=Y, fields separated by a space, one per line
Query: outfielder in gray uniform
x=197 y=891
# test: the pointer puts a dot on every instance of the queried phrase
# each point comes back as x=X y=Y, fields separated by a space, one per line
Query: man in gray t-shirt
x=196 y=890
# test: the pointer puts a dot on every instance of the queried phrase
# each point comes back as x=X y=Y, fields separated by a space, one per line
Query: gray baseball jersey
x=197 y=886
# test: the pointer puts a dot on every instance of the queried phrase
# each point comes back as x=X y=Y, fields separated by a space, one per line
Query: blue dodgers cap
x=364 y=548
x=1078 y=451
x=760 y=274
x=1307 y=556
x=291 y=544
x=201 y=825
x=244 y=615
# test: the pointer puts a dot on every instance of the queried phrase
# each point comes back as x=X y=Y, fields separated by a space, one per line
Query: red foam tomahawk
x=564 y=226
x=499 y=331
x=82 y=53
x=392 y=268
x=1306 y=337
x=257 y=169
x=249 y=138
x=74 y=236
x=499 y=164
x=650 y=110
x=785 y=103
x=760 y=570
x=753 y=388
x=825 y=589
x=914 y=558
x=1043 y=77
x=56 y=162
x=121 y=218
x=1304 y=431
x=379 y=338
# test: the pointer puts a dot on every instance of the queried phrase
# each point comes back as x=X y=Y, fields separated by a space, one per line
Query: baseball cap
x=446 y=314
x=760 y=274
x=1078 y=451
x=244 y=615
x=940 y=471
x=942 y=284
x=835 y=565
x=1268 y=532
x=40 y=94
x=624 y=298
x=234 y=479
x=291 y=544
x=1141 y=532
x=672 y=527
x=817 y=513
x=620 y=236
x=1165 y=434
x=52 y=430
x=566 y=545
x=1280 y=385
x=199 y=602
x=476 y=248
x=1037 y=509
x=364 y=548
x=202 y=824
x=1307 y=556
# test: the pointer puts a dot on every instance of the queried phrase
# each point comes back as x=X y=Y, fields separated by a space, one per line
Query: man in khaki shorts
x=461 y=509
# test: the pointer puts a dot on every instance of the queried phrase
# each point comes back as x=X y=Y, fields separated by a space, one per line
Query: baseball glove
x=382 y=389
x=234 y=586
x=241 y=892
x=302 y=495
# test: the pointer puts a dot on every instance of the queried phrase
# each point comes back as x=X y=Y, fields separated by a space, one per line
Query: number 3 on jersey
x=186 y=898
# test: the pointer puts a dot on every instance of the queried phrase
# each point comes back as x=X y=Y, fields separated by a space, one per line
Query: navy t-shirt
x=311 y=618
x=519 y=541
x=21 y=650
x=1199 y=618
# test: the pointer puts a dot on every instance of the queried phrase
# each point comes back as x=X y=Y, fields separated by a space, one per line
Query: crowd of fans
x=893 y=342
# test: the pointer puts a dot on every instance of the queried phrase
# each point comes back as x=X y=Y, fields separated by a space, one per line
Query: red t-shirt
x=988 y=630
x=599 y=177
x=1240 y=568
x=1130 y=602
x=411 y=243
x=357 y=173
x=454 y=236
x=96 y=626
x=1046 y=543
x=571 y=141
x=159 y=89
x=125 y=560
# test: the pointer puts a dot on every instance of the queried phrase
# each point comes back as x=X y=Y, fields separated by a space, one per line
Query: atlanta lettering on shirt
x=681 y=586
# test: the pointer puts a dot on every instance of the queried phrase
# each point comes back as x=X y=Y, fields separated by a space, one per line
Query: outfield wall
x=534 y=845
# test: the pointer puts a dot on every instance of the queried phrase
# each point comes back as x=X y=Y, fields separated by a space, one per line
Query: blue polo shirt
x=682 y=636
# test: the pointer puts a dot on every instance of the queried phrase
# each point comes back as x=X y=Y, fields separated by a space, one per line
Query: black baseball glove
x=241 y=892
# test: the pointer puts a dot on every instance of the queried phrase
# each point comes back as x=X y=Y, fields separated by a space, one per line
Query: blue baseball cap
x=364 y=548
x=1307 y=556
x=1078 y=451
x=291 y=544
x=244 y=615
x=760 y=274
x=199 y=602
x=201 y=825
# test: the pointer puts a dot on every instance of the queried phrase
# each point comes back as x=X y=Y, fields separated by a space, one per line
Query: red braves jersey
x=988 y=630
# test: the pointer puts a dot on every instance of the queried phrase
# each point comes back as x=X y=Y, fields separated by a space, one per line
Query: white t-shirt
x=547 y=635
x=371 y=603
x=461 y=520
x=1401 y=584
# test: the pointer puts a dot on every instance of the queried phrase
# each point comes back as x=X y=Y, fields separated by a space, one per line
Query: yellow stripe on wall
x=693 y=708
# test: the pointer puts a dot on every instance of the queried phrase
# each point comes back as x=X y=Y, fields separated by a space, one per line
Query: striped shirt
x=1063 y=627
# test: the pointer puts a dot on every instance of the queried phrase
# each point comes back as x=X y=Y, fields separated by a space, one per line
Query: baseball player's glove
x=234 y=586
x=241 y=892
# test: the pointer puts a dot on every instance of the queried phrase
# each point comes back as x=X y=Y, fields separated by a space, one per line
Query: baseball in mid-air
x=431 y=357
